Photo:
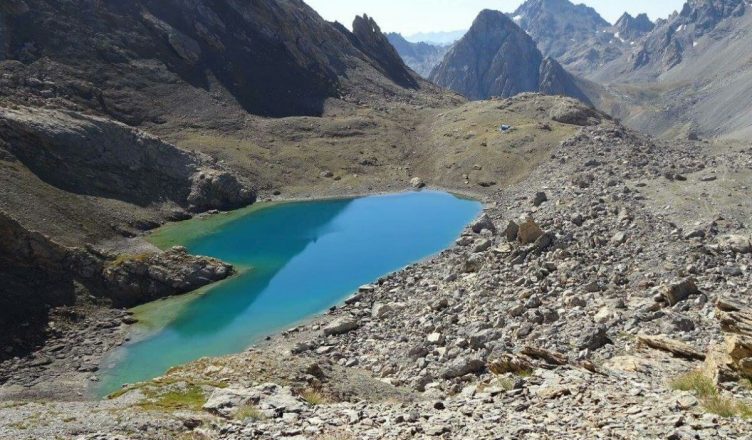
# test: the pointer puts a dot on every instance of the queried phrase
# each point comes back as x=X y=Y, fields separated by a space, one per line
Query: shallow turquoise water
x=305 y=257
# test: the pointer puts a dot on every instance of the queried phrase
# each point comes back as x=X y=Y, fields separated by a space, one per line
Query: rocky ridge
x=633 y=28
x=150 y=56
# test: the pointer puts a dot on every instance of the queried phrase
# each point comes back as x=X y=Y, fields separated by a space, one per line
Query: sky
x=412 y=16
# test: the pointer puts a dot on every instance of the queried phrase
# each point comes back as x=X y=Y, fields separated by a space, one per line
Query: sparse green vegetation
x=695 y=382
x=246 y=412
x=125 y=258
x=746 y=383
x=313 y=397
x=190 y=397
x=710 y=398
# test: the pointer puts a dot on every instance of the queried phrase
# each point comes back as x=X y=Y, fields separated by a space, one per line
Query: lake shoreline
x=57 y=381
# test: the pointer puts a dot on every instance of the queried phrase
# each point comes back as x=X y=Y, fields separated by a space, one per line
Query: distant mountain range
x=669 y=78
x=421 y=57
x=436 y=38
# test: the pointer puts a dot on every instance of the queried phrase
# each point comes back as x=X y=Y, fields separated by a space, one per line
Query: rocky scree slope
x=497 y=58
x=567 y=310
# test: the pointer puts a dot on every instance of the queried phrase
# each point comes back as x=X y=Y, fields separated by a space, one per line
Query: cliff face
x=497 y=58
x=94 y=156
x=133 y=60
x=369 y=39
x=39 y=274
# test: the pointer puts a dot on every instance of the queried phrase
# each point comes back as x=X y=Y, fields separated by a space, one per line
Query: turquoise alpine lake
x=295 y=260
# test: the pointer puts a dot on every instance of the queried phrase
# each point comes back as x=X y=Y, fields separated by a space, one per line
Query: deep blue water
x=304 y=258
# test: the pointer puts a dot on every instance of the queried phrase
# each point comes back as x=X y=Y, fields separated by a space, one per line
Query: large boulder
x=462 y=366
x=528 y=232
x=341 y=326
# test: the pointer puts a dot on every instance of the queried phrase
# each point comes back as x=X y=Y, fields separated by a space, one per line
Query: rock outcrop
x=133 y=280
x=497 y=58
x=98 y=157
x=39 y=274
x=33 y=279
x=367 y=37
x=732 y=360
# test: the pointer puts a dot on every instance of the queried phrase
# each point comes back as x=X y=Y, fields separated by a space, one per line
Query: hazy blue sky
x=412 y=16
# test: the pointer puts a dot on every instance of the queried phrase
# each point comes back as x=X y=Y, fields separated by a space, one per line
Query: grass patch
x=125 y=258
x=746 y=383
x=189 y=398
x=150 y=388
x=313 y=397
x=710 y=398
x=727 y=407
x=695 y=382
x=246 y=412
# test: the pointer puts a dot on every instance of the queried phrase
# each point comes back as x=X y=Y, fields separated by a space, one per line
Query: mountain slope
x=497 y=58
x=691 y=74
x=555 y=24
x=421 y=57
x=575 y=35
x=130 y=59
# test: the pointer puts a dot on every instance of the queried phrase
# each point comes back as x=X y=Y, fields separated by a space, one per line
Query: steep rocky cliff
x=497 y=58
x=575 y=35
x=368 y=38
x=666 y=46
x=144 y=60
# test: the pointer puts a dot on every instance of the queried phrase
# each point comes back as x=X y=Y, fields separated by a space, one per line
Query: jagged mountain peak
x=370 y=40
x=558 y=25
x=497 y=58
x=666 y=46
x=632 y=28
x=578 y=14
